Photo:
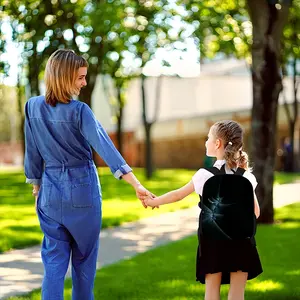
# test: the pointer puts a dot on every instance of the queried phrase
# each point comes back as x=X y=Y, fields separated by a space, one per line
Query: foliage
x=98 y=30
x=291 y=36
x=221 y=27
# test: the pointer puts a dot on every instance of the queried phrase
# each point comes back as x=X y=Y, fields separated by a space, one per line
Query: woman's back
x=56 y=131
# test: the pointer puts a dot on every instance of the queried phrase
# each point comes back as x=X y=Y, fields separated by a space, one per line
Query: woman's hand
x=142 y=193
x=149 y=201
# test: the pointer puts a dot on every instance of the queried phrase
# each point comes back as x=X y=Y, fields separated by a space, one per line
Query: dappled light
x=156 y=75
x=265 y=286
x=19 y=225
x=168 y=272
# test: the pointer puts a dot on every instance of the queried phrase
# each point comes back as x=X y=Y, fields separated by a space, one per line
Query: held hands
x=149 y=201
x=143 y=194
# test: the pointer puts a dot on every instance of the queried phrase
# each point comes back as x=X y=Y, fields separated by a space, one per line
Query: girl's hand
x=149 y=201
x=142 y=194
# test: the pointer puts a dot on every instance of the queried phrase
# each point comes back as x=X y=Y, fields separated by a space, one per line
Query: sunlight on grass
x=168 y=272
x=19 y=223
x=285 y=214
x=294 y=272
x=282 y=178
x=265 y=286
x=172 y=284
x=19 y=226
x=289 y=225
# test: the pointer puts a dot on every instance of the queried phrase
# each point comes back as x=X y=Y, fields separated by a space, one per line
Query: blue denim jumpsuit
x=58 y=157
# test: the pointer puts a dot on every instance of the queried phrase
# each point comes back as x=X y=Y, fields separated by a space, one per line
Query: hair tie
x=230 y=143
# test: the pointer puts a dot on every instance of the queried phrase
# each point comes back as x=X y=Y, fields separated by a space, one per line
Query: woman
x=59 y=134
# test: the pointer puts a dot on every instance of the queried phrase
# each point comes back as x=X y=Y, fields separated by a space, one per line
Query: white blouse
x=202 y=175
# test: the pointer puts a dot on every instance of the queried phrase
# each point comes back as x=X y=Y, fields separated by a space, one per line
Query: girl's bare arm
x=172 y=196
x=256 y=207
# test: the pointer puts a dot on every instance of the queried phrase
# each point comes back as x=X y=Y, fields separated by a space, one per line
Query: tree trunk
x=22 y=138
x=120 y=120
x=147 y=127
x=33 y=75
x=268 y=23
x=292 y=154
x=148 y=151
x=20 y=95
x=292 y=121
x=295 y=161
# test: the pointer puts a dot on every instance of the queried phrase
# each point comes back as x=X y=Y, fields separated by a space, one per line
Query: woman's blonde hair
x=60 y=75
x=231 y=134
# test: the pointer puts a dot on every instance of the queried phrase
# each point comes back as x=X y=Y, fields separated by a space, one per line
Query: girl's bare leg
x=237 y=285
x=212 y=286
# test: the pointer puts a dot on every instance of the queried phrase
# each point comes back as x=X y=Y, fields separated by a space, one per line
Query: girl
x=221 y=261
x=59 y=134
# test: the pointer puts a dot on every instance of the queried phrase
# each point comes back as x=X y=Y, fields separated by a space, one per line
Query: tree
x=57 y=20
x=102 y=26
x=116 y=98
x=291 y=57
x=268 y=21
x=149 y=29
x=93 y=29
x=224 y=26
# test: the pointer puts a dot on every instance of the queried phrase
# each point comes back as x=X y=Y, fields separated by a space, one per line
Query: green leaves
x=220 y=26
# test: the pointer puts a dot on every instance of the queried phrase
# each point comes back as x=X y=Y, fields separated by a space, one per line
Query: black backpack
x=227 y=206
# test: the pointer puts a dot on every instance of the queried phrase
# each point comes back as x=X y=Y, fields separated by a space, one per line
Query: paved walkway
x=21 y=270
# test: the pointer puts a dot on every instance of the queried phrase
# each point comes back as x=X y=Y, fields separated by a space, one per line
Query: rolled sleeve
x=122 y=171
x=34 y=181
x=97 y=137
x=33 y=162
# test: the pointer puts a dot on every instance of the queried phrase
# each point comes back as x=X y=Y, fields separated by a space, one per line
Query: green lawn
x=19 y=224
x=282 y=178
x=168 y=272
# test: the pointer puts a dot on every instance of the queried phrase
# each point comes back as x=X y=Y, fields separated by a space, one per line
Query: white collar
x=219 y=163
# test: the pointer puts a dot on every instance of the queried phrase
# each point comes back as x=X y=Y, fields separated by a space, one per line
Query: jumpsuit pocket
x=44 y=199
x=81 y=195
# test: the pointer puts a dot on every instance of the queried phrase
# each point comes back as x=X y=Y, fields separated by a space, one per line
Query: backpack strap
x=213 y=170
x=239 y=171
x=222 y=170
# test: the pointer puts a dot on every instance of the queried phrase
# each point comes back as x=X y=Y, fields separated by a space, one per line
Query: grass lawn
x=167 y=272
x=19 y=224
x=282 y=178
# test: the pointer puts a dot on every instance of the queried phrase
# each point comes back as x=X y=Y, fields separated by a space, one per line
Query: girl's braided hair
x=231 y=133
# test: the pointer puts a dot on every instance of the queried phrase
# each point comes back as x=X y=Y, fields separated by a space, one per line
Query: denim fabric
x=64 y=135
x=58 y=157
x=69 y=211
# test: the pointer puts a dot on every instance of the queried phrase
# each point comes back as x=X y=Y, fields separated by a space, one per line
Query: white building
x=188 y=106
